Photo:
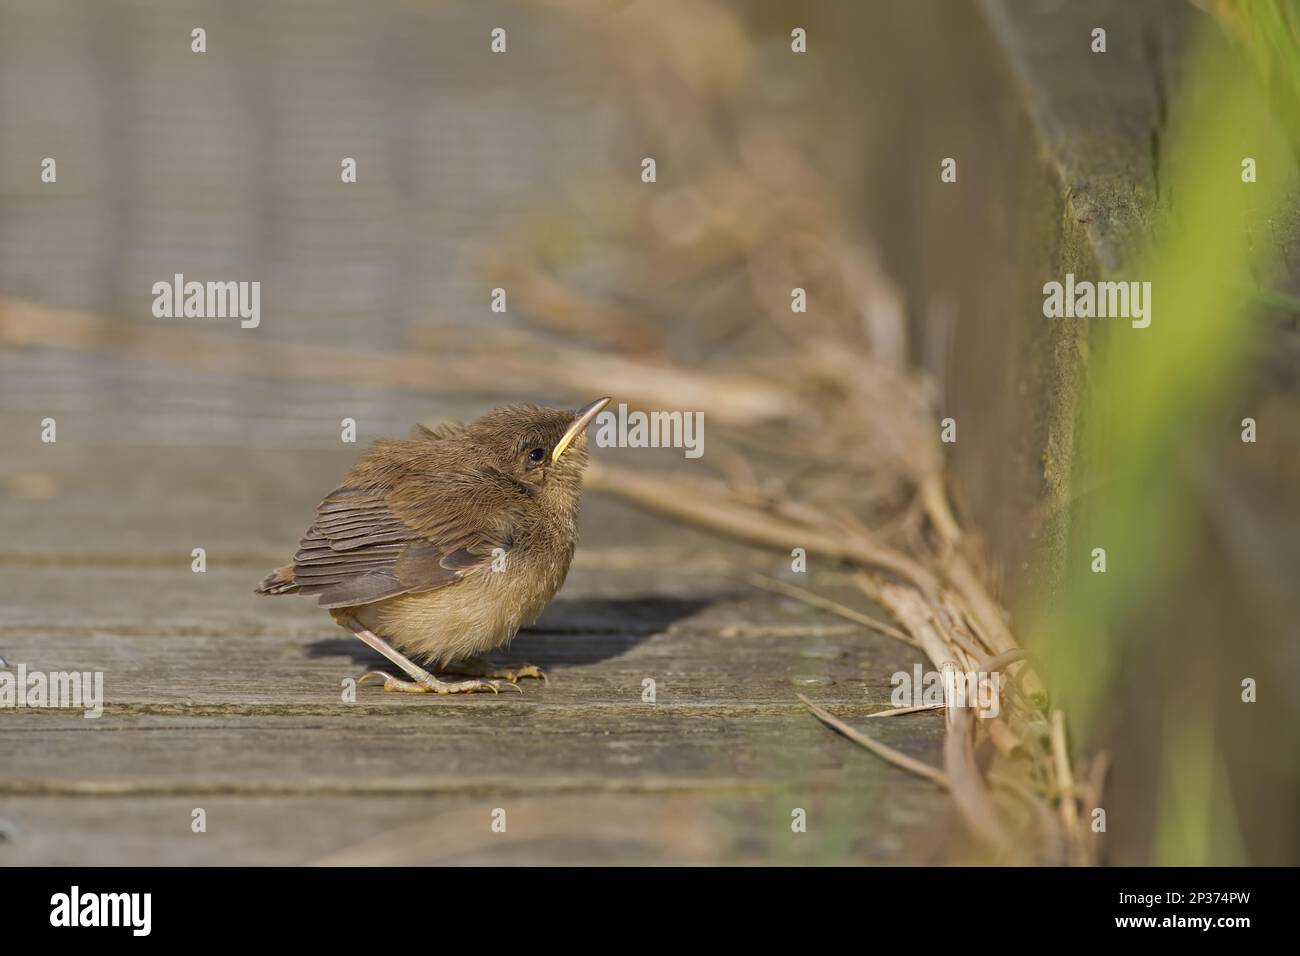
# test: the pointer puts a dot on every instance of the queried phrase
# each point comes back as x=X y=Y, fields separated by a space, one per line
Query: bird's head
x=543 y=447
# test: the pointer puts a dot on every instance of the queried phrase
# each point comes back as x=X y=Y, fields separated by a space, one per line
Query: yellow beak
x=583 y=418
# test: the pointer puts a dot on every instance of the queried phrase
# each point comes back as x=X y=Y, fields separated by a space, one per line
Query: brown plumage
x=443 y=546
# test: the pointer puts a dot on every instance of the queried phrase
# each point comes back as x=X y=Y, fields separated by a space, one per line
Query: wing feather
x=409 y=532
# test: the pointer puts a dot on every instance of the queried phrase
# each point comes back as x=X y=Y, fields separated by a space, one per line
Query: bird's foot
x=421 y=682
x=428 y=684
x=477 y=667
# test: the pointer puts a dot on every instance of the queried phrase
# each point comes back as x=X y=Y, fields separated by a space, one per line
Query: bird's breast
x=478 y=613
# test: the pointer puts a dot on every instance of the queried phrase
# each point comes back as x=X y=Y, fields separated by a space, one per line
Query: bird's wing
x=419 y=533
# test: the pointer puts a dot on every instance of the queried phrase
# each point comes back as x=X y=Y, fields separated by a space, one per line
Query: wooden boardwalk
x=225 y=166
x=222 y=700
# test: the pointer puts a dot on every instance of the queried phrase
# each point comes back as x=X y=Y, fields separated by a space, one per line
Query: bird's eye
x=537 y=455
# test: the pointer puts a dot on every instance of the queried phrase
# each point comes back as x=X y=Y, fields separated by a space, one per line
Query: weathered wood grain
x=200 y=717
x=215 y=694
x=225 y=166
x=691 y=665
x=421 y=829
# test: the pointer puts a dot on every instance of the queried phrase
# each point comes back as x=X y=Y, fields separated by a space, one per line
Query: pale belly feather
x=475 y=615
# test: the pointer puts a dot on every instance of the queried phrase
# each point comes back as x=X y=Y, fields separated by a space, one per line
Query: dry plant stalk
x=823 y=394
x=741 y=399
x=747 y=217
x=938 y=616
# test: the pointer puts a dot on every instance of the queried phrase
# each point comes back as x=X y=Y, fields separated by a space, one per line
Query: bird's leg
x=422 y=681
x=477 y=667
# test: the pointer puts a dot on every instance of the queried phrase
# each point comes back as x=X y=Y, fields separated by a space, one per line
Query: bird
x=440 y=547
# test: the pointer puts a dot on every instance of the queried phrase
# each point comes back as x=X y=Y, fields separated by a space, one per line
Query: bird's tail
x=279 y=581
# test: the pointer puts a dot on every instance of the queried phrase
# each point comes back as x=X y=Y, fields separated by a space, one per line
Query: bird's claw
x=428 y=684
x=474 y=667
x=513 y=674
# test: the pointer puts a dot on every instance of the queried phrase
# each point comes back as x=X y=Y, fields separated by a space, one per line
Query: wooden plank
x=593 y=670
x=436 y=749
x=117 y=483
x=606 y=590
x=191 y=720
x=884 y=826
x=227 y=163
